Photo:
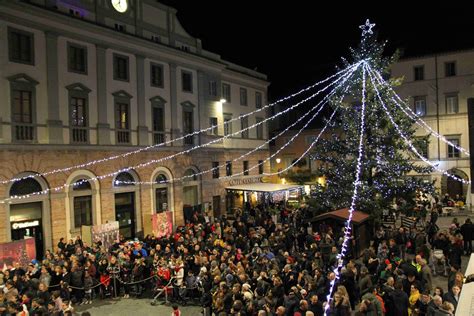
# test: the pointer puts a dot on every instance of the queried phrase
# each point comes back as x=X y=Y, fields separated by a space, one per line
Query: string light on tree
x=365 y=165
x=356 y=184
x=408 y=142
x=409 y=112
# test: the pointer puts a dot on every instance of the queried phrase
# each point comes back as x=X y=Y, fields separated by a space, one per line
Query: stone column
x=178 y=203
x=57 y=220
x=103 y=126
x=141 y=103
x=175 y=130
x=4 y=225
x=107 y=195
x=470 y=117
x=55 y=125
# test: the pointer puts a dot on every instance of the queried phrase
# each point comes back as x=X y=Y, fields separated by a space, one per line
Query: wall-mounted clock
x=120 y=5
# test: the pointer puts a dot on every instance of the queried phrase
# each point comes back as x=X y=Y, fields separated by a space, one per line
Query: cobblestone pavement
x=133 y=307
x=443 y=223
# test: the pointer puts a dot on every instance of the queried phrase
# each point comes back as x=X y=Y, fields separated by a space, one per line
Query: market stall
x=361 y=230
x=251 y=194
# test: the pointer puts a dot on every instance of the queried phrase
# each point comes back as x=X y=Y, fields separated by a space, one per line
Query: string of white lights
x=106 y=159
x=154 y=161
x=290 y=141
x=318 y=106
x=407 y=141
x=174 y=180
x=233 y=160
x=412 y=115
x=348 y=230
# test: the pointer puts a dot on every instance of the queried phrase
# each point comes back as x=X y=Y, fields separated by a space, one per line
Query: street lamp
x=278 y=160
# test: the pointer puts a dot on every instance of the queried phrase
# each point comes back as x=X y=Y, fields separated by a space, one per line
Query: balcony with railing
x=123 y=136
x=23 y=132
x=79 y=135
x=159 y=138
x=188 y=140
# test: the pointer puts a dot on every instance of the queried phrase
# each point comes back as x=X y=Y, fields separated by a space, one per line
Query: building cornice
x=115 y=148
x=88 y=31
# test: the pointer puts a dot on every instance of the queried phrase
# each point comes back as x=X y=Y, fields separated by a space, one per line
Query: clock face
x=120 y=5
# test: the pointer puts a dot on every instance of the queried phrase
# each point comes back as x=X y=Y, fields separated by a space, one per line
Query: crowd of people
x=249 y=266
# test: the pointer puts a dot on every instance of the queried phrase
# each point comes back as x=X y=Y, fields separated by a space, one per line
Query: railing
x=79 y=135
x=23 y=132
x=158 y=138
x=189 y=140
x=123 y=137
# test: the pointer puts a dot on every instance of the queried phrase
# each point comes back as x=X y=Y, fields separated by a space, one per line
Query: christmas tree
x=23 y=256
x=386 y=169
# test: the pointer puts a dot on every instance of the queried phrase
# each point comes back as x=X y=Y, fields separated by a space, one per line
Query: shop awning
x=358 y=217
x=264 y=187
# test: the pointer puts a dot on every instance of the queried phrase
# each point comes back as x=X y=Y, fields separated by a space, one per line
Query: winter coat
x=77 y=278
x=427 y=278
x=55 y=280
x=375 y=303
x=449 y=297
x=467 y=231
x=400 y=303
x=364 y=284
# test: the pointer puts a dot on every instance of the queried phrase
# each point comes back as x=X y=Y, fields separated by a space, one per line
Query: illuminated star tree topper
x=367 y=28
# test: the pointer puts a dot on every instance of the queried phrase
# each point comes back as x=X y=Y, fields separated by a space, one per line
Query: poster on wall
x=22 y=251
x=162 y=224
x=107 y=233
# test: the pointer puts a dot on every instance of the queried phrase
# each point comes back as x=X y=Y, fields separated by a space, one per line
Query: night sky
x=296 y=43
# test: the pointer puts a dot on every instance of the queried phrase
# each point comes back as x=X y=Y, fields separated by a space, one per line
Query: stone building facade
x=85 y=80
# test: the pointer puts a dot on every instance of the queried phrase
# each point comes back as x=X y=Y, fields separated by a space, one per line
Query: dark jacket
x=77 y=278
x=317 y=308
x=449 y=297
x=400 y=303
x=339 y=310
x=432 y=308
x=467 y=231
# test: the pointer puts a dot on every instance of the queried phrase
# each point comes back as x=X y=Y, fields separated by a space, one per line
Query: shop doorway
x=125 y=213
x=25 y=222
x=216 y=205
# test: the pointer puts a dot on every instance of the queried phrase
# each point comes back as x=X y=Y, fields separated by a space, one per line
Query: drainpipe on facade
x=437 y=106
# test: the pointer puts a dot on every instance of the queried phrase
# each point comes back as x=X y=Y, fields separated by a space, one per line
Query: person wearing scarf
x=413 y=299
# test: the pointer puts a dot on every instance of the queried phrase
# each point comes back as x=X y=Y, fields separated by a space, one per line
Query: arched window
x=190 y=175
x=161 y=179
x=81 y=184
x=25 y=186
x=124 y=179
x=161 y=193
x=82 y=203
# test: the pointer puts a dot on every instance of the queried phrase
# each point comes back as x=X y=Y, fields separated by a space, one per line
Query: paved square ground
x=133 y=307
